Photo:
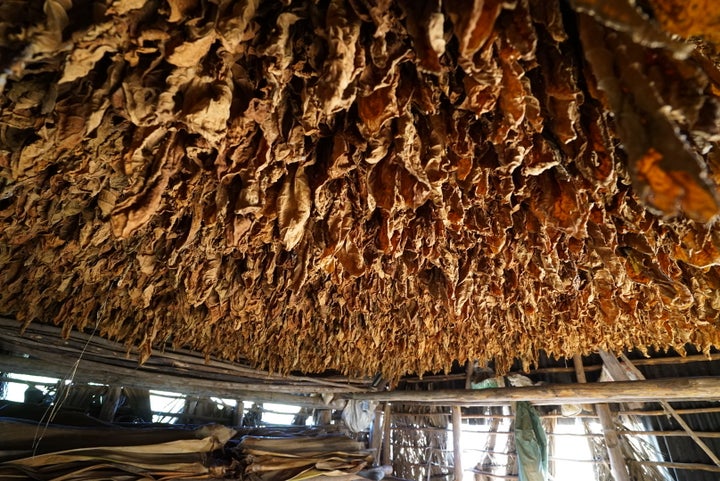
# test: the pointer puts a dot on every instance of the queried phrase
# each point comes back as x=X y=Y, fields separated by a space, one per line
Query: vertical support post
x=457 y=449
x=387 y=435
x=612 y=440
x=325 y=417
x=110 y=404
x=239 y=412
x=376 y=435
x=469 y=371
x=579 y=369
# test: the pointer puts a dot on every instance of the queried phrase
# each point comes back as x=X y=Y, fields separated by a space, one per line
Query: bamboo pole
x=671 y=389
x=669 y=434
x=612 y=441
x=457 y=449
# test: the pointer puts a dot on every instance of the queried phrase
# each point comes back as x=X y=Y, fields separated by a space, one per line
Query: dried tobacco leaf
x=362 y=186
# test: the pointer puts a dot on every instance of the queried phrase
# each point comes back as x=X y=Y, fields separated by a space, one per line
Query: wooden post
x=612 y=441
x=110 y=403
x=325 y=417
x=579 y=369
x=457 y=448
x=469 y=371
x=376 y=436
x=239 y=412
x=387 y=436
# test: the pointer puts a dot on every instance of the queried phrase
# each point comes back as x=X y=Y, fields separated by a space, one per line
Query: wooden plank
x=457 y=448
x=198 y=378
x=670 y=389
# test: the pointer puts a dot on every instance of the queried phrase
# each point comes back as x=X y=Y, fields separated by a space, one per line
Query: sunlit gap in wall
x=570 y=455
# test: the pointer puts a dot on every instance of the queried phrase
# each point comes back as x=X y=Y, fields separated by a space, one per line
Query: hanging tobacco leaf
x=363 y=186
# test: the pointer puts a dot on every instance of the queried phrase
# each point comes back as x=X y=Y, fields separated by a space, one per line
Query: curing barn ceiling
x=363 y=186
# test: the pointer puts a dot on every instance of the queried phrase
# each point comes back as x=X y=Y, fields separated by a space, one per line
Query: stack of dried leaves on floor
x=362 y=185
x=120 y=454
x=298 y=458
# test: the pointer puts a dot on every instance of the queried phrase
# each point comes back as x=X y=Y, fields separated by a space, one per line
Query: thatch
x=362 y=186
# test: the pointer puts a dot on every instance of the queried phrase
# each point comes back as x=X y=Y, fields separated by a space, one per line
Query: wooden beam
x=90 y=371
x=670 y=389
x=618 y=467
x=457 y=448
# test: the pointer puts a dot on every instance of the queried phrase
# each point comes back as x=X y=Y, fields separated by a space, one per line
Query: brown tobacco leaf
x=675 y=179
x=360 y=186
x=473 y=28
x=294 y=205
x=670 y=188
x=425 y=26
x=689 y=18
x=134 y=212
